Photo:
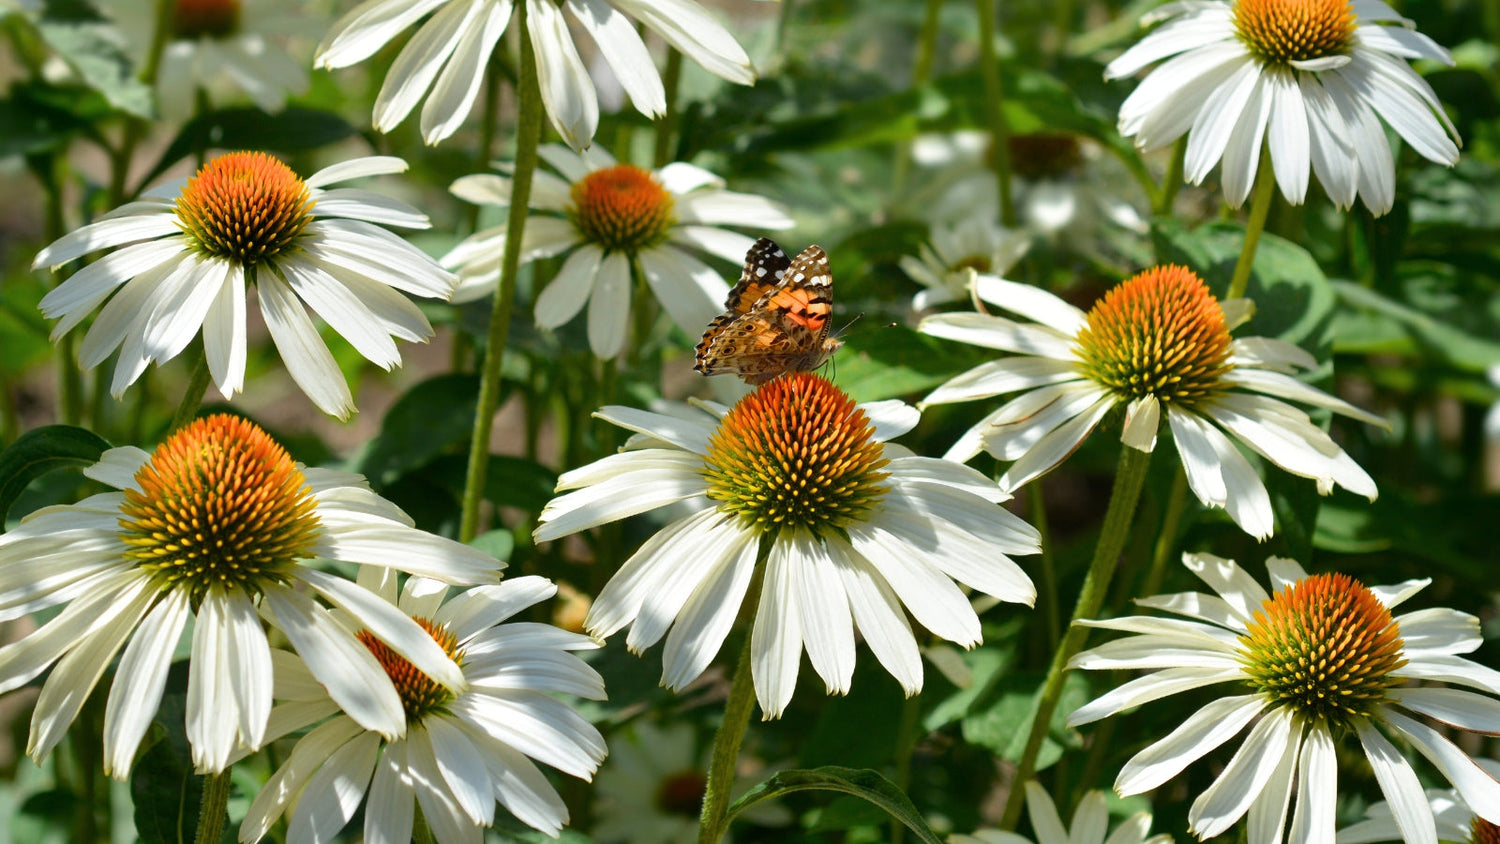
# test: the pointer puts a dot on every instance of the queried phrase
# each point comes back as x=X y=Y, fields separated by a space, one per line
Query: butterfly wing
x=784 y=329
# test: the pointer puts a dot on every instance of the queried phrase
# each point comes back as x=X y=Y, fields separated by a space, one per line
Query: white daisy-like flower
x=218 y=46
x=187 y=253
x=1064 y=187
x=1455 y=820
x=976 y=243
x=445 y=59
x=218 y=525
x=614 y=220
x=1317 y=661
x=1090 y=823
x=1159 y=345
x=463 y=750
x=855 y=529
x=651 y=789
x=1311 y=79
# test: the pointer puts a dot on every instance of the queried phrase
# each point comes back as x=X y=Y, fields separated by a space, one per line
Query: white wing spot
x=798 y=277
x=760 y=272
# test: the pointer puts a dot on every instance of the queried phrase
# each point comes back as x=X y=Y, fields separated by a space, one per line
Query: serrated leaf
x=43 y=450
x=865 y=784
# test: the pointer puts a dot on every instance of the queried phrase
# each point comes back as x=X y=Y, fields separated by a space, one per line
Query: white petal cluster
x=1324 y=114
x=939 y=522
x=691 y=292
x=445 y=60
x=1286 y=759
x=73 y=556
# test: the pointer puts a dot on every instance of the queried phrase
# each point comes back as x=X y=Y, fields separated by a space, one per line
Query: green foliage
x=865 y=784
x=43 y=450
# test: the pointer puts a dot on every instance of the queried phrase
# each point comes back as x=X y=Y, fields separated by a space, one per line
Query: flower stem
x=712 y=823
x=1130 y=477
x=192 y=397
x=921 y=72
x=1172 y=181
x=213 y=809
x=1265 y=189
x=666 y=125
x=1038 y=511
x=528 y=136
x=1166 y=539
x=994 y=100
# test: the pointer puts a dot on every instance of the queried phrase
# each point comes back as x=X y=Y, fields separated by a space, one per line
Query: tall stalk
x=528 y=137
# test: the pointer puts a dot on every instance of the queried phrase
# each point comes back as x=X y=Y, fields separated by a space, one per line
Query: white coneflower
x=463 y=750
x=1310 y=79
x=216 y=526
x=609 y=217
x=185 y=257
x=1158 y=345
x=446 y=58
x=977 y=244
x=860 y=533
x=1318 y=660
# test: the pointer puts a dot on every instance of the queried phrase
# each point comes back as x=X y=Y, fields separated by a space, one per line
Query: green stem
x=666 y=126
x=1166 y=540
x=135 y=128
x=192 y=397
x=213 y=810
x=528 y=136
x=1265 y=189
x=1172 y=182
x=1130 y=477
x=1062 y=27
x=712 y=823
x=994 y=103
x=1038 y=511
x=921 y=71
x=70 y=381
x=906 y=739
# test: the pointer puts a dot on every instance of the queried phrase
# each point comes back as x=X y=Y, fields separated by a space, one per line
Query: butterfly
x=776 y=317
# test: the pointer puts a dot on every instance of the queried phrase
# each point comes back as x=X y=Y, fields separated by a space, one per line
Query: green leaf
x=864 y=784
x=43 y=450
x=897 y=361
x=290 y=130
x=426 y=421
x=1002 y=726
x=1293 y=298
x=163 y=786
x=92 y=47
x=1455 y=346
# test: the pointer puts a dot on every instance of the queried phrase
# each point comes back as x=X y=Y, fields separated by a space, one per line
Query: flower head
x=463 y=750
x=1158 y=344
x=189 y=251
x=610 y=217
x=218 y=524
x=1305 y=77
x=1090 y=822
x=447 y=56
x=851 y=529
x=976 y=244
x=1319 y=659
x=226 y=50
